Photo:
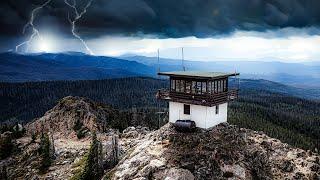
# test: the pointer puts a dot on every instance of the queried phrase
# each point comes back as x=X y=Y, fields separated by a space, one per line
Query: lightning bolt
x=35 y=31
x=76 y=18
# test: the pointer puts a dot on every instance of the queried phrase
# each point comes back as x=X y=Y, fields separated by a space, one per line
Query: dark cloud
x=164 y=18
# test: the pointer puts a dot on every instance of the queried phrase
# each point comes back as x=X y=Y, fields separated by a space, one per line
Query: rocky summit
x=71 y=111
x=223 y=152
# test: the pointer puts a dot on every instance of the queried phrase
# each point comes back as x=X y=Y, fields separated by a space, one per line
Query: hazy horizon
x=175 y=58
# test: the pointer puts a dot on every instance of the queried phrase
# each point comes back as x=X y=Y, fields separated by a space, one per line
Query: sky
x=208 y=30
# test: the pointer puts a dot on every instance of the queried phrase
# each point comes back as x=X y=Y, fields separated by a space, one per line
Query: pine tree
x=93 y=167
x=44 y=153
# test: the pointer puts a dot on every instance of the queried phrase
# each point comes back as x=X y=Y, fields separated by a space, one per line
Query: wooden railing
x=199 y=99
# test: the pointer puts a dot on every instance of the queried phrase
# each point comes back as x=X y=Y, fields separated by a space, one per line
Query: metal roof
x=198 y=74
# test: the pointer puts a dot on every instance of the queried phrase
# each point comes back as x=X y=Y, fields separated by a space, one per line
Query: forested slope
x=290 y=119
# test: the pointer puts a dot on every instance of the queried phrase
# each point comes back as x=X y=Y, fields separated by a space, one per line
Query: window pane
x=226 y=84
x=212 y=88
x=182 y=85
x=222 y=89
x=215 y=87
x=178 y=85
x=194 y=87
x=173 y=84
x=217 y=109
x=221 y=86
x=188 y=86
x=198 y=89
x=204 y=87
x=186 y=109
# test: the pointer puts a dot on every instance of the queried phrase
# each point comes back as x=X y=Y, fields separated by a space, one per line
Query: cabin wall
x=204 y=117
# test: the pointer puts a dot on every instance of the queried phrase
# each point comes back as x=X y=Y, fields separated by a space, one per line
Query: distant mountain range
x=297 y=74
x=247 y=85
x=66 y=66
x=79 y=66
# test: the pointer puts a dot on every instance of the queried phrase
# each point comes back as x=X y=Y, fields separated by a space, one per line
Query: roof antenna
x=183 y=68
x=159 y=112
x=237 y=78
x=158 y=70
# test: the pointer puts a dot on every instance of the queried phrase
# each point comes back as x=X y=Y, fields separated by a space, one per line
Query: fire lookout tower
x=201 y=97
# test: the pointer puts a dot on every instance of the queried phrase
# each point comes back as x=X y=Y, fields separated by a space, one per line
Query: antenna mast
x=237 y=78
x=183 y=68
x=158 y=104
x=158 y=70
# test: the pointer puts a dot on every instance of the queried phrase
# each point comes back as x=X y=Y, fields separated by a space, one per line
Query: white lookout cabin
x=201 y=97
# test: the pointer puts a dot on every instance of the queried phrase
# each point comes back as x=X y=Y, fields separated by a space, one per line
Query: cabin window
x=226 y=84
x=215 y=87
x=198 y=88
x=220 y=86
x=177 y=85
x=188 y=86
x=186 y=109
x=194 y=87
x=173 y=85
x=209 y=87
x=204 y=87
x=217 y=109
x=182 y=86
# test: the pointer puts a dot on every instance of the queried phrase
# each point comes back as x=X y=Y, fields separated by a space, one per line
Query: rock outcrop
x=72 y=111
x=222 y=152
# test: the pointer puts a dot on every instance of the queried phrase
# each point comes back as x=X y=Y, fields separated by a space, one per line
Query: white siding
x=205 y=117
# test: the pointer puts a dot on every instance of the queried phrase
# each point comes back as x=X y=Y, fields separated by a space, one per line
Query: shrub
x=6 y=146
x=81 y=133
x=33 y=137
x=44 y=153
x=79 y=129
x=77 y=126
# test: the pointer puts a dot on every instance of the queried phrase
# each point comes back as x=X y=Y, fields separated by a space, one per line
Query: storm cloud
x=164 y=18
